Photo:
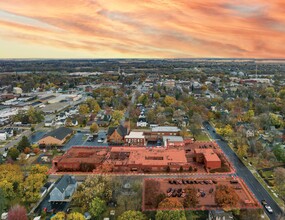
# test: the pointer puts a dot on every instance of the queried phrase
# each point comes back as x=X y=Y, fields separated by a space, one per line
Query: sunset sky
x=142 y=28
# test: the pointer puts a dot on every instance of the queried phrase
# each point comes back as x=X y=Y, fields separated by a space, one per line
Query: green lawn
x=202 y=137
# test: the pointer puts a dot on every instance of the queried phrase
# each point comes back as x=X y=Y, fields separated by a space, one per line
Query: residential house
x=104 y=120
x=116 y=135
x=56 y=137
x=63 y=189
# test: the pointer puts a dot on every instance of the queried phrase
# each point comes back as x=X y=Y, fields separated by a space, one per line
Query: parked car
x=268 y=208
x=263 y=202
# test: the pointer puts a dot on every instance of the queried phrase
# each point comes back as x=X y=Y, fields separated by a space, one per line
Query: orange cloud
x=152 y=28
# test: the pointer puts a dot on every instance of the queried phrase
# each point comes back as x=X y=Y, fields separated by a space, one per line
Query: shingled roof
x=120 y=129
x=59 y=133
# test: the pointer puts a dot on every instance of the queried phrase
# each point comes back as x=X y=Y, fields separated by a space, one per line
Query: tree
x=226 y=197
x=170 y=215
x=84 y=109
x=169 y=100
x=32 y=186
x=242 y=150
x=39 y=169
x=117 y=117
x=132 y=215
x=93 y=105
x=59 y=216
x=279 y=153
x=17 y=212
x=13 y=153
x=156 y=96
x=94 y=128
x=191 y=200
x=152 y=194
x=24 y=142
x=170 y=203
x=97 y=207
x=99 y=186
x=279 y=176
x=75 y=216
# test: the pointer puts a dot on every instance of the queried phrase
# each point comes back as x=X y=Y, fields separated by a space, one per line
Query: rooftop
x=173 y=138
x=165 y=129
x=135 y=134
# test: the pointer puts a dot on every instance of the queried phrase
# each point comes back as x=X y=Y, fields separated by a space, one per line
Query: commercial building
x=56 y=137
x=173 y=141
x=135 y=138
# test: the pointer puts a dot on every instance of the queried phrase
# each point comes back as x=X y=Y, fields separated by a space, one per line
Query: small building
x=165 y=131
x=17 y=90
x=116 y=135
x=135 y=138
x=220 y=215
x=173 y=141
x=208 y=157
x=63 y=189
x=3 y=135
x=56 y=137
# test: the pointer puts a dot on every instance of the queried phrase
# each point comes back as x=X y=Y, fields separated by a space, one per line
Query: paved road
x=243 y=172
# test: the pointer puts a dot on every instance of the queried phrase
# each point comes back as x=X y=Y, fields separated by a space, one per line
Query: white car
x=100 y=141
x=268 y=208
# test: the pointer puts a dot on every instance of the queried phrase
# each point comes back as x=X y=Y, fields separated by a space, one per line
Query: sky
x=142 y=28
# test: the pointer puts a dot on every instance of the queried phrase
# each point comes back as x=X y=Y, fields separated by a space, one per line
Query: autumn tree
x=170 y=203
x=169 y=100
x=226 y=197
x=32 y=186
x=152 y=193
x=59 y=216
x=117 y=117
x=242 y=150
x=94 y=128
x=75 y=216
x=132 y=215
x=97 y=207
x=191 y=200
x=93 y=105
x=99 y=186
x=170 y=215
x=156 y=96
x=11 y=179
x=17 y=212
x=84 y=109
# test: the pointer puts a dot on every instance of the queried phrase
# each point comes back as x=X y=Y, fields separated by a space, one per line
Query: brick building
x=208 y=157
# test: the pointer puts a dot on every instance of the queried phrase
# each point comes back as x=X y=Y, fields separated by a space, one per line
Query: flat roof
x=173 y=138
x=209 y=154
x=135 y=134
x=165 y=129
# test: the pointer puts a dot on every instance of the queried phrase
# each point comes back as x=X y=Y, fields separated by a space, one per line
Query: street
x=243 y=172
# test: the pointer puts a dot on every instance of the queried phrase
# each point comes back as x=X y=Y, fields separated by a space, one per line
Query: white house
x=142 y=122
x=3 y=135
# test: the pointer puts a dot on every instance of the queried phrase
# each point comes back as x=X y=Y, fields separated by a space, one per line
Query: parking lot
x=205 y=189
x=86 y=139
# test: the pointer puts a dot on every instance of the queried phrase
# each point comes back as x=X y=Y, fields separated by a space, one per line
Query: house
x=63 y=189
x=116 y=135
x=208 y=157
x=104 y=120
x=220 y=215
x=173 y=141
x=135 y=138
x=17 y=90
x=56 y=137
x=3 y=135
x=49 y=122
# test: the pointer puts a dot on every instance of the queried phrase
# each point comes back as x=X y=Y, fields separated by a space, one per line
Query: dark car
x=263 y=202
